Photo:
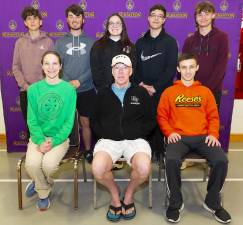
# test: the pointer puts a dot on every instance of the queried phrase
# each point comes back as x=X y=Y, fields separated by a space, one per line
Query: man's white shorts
x=125 y=148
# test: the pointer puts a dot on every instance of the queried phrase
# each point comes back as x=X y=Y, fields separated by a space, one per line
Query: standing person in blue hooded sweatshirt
x=74 y=49
x=211 y=47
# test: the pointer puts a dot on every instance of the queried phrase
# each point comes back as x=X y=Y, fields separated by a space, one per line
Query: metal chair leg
x=84 y=169
x=75 y=184
x=160 y=169
x=19 y=177
x=150 y=190
x=94 y=194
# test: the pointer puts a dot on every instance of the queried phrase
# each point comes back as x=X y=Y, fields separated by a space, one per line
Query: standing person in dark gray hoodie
x=74 y=49
x=28 y=51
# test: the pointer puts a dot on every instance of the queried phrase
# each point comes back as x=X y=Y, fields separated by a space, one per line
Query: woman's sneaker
x=30 y=189
x=221 y=215
x=43 y=204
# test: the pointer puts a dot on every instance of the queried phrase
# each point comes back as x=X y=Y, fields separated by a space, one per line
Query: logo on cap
x=121 y=59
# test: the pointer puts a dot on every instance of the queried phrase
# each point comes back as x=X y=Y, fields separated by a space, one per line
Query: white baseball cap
x=121 y=59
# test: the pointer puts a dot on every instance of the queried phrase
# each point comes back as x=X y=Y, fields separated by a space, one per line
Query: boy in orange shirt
x=187 y=115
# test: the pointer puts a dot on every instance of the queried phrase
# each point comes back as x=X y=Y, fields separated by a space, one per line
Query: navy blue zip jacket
x=131 y=120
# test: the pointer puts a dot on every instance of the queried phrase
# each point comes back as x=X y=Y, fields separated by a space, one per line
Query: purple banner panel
x=180 y=23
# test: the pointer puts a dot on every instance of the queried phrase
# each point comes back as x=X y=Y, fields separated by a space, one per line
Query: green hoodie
x=51 y=110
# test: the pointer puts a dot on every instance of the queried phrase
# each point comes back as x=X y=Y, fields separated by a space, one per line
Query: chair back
x=74 y=137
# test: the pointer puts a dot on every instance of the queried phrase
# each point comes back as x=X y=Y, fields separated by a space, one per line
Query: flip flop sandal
x=131 y=215
x=113 y=213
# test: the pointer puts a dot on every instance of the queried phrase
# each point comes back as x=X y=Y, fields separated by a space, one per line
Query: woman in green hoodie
x=50 y=117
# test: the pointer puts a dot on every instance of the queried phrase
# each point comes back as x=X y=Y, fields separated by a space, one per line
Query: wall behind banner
x=180 y=23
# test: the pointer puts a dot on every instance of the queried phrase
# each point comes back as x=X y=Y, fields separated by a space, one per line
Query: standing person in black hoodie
x=114 y=42
x=157 y=54
x=212 y=48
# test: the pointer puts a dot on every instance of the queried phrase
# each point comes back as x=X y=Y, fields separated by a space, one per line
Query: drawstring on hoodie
x=207 y=44
x=73 y=46
x=201 y=42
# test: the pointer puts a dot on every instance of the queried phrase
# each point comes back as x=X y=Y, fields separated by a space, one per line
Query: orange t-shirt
x=188 y=111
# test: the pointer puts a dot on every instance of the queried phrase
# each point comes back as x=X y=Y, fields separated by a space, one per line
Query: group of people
x=126 y=98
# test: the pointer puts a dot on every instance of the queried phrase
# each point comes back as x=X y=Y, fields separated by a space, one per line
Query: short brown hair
x=204 y=6
x=30 y=11
x=75 y=9
x=186 y=56
x=158 y=7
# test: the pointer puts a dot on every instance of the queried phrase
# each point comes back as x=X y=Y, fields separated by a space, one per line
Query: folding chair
x=149 y=187
x=73 y=155
x=189 y=157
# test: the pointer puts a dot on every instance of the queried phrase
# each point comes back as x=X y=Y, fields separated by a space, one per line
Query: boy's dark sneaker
x=221 y=215
x=173 y=215
x=88 y=155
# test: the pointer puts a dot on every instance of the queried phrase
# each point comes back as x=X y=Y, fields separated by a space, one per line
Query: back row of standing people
x=87 y=64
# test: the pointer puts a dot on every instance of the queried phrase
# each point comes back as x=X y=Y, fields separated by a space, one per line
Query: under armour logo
x=72 y=49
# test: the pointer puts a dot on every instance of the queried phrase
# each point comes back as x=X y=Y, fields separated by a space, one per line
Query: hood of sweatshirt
x=42 y=36
x=204 y=41
x=148 y=37
x=180 y=84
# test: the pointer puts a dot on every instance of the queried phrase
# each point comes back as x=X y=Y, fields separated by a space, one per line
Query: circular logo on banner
x=104 y=24
x=59 y=25
x=83 y=4
x=35 y=4
x=50 y=106
x=22 y=135
x=130 y=5
x=177 y=5
x=224 y=5
x=12 y=24
x=18 y=101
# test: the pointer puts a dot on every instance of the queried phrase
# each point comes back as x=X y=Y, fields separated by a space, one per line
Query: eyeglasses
x=154 y=16
x=111 y=24
x=120 y=67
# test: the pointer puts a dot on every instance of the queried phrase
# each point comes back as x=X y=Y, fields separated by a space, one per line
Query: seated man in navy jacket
x=122 y=119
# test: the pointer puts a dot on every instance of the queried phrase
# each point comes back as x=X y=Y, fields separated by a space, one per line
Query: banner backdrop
x=180 y=23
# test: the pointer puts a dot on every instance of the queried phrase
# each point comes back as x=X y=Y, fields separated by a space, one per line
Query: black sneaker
x=88 y=155
x=221 y=215
x=173 y=215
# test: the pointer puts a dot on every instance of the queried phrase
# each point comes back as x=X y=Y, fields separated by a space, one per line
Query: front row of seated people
x=122 y=119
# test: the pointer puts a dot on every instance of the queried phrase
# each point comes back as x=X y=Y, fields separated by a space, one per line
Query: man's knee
x=142 y=166
x=100 y=166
